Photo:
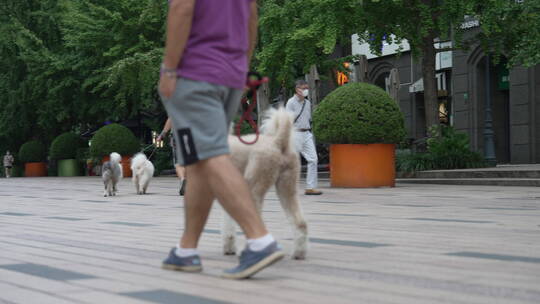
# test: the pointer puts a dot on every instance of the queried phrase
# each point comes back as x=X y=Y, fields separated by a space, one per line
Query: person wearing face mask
x=300 y=106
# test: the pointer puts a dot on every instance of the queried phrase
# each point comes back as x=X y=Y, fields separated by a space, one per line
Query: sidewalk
x=61 y=241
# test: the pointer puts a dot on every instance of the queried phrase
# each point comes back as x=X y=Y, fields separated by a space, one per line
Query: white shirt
x=294 y=105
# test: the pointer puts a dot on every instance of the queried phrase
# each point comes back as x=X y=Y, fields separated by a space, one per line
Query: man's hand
x=167 y=85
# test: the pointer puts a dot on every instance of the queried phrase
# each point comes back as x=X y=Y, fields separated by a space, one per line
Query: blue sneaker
x=188 y=264
x=252 y=262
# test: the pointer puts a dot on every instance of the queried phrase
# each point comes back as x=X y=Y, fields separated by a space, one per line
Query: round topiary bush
x=113 y=138
x=65 y=146
x=358 y=113
x=32 y=152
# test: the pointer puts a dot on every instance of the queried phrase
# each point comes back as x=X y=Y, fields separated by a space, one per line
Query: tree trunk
x=313 y=82
x=361 y=70
x=263 y=101
x=431 y=103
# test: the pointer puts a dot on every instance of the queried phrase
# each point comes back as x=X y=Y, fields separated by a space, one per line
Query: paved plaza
x=61 y=241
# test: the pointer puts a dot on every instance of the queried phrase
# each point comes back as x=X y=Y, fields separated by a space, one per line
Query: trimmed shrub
x=358 y=113
x=113 y=138
x=32 y=151
x=65 y=146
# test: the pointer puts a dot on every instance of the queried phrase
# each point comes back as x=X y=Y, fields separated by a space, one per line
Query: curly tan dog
x=272 y=160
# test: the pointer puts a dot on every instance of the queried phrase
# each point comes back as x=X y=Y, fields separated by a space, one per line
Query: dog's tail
x=138 y=161
x=115 y=158
x=279 y=123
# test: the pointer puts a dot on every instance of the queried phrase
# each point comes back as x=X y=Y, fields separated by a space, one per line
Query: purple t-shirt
x=216 y=51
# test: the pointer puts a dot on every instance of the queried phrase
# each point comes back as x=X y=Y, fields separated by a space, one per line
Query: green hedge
x=113 y=138
x=65 y=146
x=358 y=113
x=32 y=151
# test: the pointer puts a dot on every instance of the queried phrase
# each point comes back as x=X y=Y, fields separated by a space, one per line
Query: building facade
x=465 y=80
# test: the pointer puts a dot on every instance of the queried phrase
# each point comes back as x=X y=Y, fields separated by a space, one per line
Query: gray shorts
x=201 y=113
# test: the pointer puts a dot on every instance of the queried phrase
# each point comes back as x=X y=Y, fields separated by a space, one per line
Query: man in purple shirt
x=207 y=53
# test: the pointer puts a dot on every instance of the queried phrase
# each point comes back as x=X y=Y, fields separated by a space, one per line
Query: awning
x=417 y=86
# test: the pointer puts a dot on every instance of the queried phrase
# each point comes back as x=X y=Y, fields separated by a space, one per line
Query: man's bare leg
x=180 y=171
x=197 y=204
x=229 y=186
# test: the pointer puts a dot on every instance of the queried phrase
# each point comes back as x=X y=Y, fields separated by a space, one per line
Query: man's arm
x=166 y=128
x=253 y=24
x=178 y=28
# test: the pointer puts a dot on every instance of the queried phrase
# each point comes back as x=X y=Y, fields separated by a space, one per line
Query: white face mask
x=305 y=92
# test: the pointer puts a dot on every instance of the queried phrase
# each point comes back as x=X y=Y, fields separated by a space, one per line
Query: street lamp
x=489 y=144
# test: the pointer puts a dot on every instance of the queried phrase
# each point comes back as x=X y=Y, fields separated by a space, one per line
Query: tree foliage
x=512 y=29
x=297 y=34
x=72 y=65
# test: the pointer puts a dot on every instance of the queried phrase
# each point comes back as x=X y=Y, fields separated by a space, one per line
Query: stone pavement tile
x=37 y=283
x=259 y=290
x=27 y=256
x=499 y=257
x=413 y=268
x=372 y=292
x=45 y=271
x=163 y=296
x=93 y=297
x=21 y=295
x=109 y=285
x=79 y=257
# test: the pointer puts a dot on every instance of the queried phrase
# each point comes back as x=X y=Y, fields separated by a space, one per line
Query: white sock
x=185 y=252
x=260 y=243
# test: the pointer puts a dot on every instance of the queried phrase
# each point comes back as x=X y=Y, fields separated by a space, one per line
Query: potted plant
x=64 y=150
x=33 y=155
x=114 y=138
x=363 y=124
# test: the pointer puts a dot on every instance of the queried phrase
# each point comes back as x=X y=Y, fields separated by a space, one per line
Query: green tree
x=297 y=34
x=30 y=37
x=512 y=29
x=115 y=49
x=74 y=64
x=293 y=35
x=420 y=22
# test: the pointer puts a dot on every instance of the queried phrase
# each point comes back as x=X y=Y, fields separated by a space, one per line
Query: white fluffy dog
x=272 y=160
x=111 y=174
x=143 y=170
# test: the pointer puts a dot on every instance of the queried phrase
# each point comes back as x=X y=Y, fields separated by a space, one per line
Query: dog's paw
x=229 y=248
x=299 y=255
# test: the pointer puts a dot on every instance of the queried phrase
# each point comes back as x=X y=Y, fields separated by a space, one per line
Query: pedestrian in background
x=300 y=106
x=180 y=170
x=8 y=163
x=208 y=48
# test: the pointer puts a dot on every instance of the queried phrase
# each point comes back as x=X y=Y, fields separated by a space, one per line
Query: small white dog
x=111 y=174
x=272 y=160
x=143 y=170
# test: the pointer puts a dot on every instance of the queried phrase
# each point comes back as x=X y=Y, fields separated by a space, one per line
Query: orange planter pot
x=362 y=166
x=35 y=169
x=125 y=163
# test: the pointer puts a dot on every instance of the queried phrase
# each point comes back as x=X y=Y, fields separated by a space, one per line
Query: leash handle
x=254 y=81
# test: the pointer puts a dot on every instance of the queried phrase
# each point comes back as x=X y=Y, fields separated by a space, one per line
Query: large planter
x=362 y=166
x=68 y=167
x=35 y=169
x=125 y=163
